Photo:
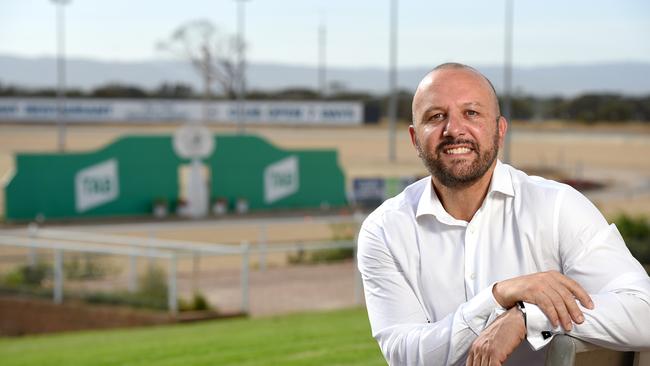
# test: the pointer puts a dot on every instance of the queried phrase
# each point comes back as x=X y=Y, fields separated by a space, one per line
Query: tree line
x=585 y=108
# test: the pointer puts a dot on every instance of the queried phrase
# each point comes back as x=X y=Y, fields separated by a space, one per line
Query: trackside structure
x=128 y=176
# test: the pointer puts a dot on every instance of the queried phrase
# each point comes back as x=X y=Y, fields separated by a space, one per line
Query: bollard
x=58 y=276
x=172 y=301
x=245 y=248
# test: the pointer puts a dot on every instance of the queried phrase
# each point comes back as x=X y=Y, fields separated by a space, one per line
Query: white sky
x=546 y=32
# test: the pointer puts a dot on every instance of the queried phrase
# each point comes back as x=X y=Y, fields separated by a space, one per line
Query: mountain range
x=629 y=78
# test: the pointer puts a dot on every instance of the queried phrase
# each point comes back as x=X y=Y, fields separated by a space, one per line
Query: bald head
x=451 y=77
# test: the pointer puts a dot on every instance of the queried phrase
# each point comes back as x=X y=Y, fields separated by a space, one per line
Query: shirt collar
x=429 y=203
x=501 y=180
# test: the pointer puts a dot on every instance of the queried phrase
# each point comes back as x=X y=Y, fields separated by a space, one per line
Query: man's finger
x=578 y=292
x=485 y=358
x=560 y=308
x=570 y=303
x=470 y=358
x=544 y=303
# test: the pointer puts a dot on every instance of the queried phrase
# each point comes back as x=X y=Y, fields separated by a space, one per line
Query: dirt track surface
x=283 y=289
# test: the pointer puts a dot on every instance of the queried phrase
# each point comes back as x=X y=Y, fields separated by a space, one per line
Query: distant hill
x=565 y=80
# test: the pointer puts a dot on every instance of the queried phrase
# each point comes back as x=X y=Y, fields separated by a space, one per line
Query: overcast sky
x=547 y=32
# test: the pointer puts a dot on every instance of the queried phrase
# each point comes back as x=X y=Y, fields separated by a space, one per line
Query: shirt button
x=471 y=229
x=473 y=276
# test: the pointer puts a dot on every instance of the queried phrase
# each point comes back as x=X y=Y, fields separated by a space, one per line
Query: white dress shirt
x=428 y=277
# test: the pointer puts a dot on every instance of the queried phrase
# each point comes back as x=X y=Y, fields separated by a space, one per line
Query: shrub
x=152 y=292
x=636 y=232
x=198 y=302
x=321 y=256
x=27 y=275
x=331 y=255
x=153 y=283
x=85 y=267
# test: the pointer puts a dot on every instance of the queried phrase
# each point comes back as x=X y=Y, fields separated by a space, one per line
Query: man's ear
x=412 y=134
x=502 y=126
x=414 y=140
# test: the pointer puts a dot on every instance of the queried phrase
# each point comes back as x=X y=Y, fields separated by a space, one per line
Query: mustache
x=449 y=141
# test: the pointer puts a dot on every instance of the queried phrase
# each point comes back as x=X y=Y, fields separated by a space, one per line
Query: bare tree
x=211 y=52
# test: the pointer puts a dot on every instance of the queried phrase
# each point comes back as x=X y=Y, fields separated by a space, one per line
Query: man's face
x=456 y=129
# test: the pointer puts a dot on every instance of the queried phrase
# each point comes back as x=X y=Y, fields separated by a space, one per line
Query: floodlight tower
x=392 y=82
x=322 y=68
x=507 y=77
x=60 y=71
x=241 y=67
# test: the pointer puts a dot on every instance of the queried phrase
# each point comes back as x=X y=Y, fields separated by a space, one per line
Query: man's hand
x=553 y=292
x=499 y=340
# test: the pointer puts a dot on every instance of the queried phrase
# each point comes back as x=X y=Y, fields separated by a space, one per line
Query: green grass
x=329 y=338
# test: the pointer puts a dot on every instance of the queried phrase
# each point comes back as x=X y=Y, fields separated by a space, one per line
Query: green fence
x=126 y=177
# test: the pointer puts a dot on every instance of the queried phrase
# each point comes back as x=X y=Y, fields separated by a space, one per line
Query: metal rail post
x=245 y=249
x=32 y=257
x=133 y=274
x=262 y=248
x=58 y=276
x=358 y=285
x=196 y=262
x=172 y=301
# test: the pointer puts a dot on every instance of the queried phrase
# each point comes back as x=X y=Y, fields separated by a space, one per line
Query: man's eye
x=438 y=117
x=471 y=113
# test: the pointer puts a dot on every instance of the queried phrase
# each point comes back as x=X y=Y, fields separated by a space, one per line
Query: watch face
x=193 y=142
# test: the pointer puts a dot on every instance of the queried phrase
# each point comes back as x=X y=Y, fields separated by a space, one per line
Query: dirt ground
x=618 y=156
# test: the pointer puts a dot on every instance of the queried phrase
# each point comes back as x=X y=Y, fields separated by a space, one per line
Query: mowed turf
x=329 y=338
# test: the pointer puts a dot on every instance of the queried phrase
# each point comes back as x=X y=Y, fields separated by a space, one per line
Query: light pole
x=507 y=78
x=241 y=67
x=392 y=82
x=60 y=71
x=322 y=70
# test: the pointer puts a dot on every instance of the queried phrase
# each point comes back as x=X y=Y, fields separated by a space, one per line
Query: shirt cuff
x=539 y=330
x=479 y=309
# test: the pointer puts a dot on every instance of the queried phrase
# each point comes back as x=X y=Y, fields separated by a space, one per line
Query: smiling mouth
x=457 y=150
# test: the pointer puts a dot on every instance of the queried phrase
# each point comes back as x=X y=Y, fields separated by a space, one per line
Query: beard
x=457 y=174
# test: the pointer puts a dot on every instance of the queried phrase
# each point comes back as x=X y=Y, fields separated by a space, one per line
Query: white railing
x=62 y=241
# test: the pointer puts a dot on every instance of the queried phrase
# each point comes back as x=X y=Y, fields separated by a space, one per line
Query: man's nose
x=453 y=126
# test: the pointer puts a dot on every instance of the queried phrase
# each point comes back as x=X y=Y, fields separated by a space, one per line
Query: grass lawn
x=328 y=338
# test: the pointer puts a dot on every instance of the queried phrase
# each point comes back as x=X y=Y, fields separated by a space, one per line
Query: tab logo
x=96 y=185
x=281 y=179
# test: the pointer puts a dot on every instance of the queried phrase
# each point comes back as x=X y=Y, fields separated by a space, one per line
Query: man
x=480 y=263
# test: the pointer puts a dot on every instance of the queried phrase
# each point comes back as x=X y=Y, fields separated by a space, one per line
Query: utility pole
x=241 y=67
x=60 y=72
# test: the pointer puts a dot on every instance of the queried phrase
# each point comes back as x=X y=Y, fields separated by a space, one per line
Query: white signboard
x=281 y=179
x=96 y=185
x=89 y=110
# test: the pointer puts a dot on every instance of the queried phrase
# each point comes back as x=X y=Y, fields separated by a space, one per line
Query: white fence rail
x=69 y=241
